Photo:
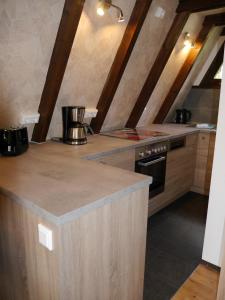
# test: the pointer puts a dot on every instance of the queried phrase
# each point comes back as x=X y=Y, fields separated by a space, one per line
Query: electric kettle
x=183 y=116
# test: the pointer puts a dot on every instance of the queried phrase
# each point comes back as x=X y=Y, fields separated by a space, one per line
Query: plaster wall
x=27 y=34
x=171 y=70
x=216 y=209
x=94 y=49
x=203 y=104
x=211 y=41
x=151 y=38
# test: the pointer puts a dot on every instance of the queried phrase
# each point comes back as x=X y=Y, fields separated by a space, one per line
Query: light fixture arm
x=106 y=4
x=119 y=9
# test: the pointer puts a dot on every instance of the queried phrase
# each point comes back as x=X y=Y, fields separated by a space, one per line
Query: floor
x=174 y=246
x=202 y=284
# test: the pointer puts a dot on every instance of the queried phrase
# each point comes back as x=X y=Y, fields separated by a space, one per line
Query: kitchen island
x=97 y=214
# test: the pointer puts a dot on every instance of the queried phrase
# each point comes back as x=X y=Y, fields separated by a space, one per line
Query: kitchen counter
x=95 y=216
x=61 y=182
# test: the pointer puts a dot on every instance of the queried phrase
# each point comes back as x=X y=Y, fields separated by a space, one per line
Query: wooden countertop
x=60 y=182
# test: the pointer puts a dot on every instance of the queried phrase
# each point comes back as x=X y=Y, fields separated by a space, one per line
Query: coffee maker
x=74 y=131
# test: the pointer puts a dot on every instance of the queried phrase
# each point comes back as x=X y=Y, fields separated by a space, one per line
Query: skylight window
x=219 y=73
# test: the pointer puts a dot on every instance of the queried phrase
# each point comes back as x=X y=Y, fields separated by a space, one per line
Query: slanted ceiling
x=85 y=53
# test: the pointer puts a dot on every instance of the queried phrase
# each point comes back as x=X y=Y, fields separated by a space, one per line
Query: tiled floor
x=174 y=246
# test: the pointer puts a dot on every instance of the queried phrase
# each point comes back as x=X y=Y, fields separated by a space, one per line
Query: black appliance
x=151 y=161
x=183 y=116
x=13 y=141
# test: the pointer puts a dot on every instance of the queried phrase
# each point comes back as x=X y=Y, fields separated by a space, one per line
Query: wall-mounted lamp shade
x=188 y=42
x=104 y=5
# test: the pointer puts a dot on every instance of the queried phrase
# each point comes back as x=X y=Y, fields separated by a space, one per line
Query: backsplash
x=203 y=104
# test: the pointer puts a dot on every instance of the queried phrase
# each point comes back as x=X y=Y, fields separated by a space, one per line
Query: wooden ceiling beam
x=157 y=68
x=132 y=31
x=213 y=69
x=64 y=41
x=183 y=74
x=199 y=5
x=216 y=20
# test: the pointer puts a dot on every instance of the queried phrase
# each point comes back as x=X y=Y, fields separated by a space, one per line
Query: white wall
x=209 y=60
x=216 y=209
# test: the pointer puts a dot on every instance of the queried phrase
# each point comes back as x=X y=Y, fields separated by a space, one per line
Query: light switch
x=45 y=237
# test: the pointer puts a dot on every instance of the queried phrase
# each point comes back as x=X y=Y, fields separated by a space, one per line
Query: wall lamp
x=188 y=42
x=105 y=5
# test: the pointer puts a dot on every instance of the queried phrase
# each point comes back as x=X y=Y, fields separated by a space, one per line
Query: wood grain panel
x=103 y=252
x=204 y=160
x=210 y=161
x=199 y=5
x=157 y=68
x=100 y=256
x=28 y=271
x=131 y=34
x=61 y=52
x=183 y=74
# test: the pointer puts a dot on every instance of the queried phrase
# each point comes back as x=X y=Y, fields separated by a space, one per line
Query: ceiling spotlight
x=105 y=5
x=188 y=42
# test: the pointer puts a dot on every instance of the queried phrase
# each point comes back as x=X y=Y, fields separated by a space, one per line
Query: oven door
x=156 y=168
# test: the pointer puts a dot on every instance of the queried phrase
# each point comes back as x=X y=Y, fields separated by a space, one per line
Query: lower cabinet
x=204 y=161
x=179 y=175
x=188 y=168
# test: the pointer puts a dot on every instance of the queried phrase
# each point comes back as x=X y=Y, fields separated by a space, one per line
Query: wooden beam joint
x=192 y=6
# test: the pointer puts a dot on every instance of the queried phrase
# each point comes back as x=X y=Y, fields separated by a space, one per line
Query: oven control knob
x=165 y=148
x=155 y=150
x=141 y=154
x=149 y=152
x=162 y=148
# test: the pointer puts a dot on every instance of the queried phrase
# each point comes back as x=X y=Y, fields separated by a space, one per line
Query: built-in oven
x=151 y=161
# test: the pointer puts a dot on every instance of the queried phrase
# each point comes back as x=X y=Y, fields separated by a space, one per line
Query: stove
x=134 y=134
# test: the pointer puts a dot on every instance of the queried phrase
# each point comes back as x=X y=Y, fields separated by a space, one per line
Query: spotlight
x=188 y=42
x=105 y=5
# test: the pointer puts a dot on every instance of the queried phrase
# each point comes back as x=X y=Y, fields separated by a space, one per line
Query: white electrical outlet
x=30 y=119
x=90 y=113
x=160 y=12
x=45 y=237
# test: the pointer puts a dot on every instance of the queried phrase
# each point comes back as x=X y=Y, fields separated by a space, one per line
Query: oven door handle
x=150 y=163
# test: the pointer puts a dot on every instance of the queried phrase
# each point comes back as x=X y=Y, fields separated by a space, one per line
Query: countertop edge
x=77 y=213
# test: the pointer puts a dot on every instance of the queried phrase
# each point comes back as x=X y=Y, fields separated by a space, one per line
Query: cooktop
x=134 y=134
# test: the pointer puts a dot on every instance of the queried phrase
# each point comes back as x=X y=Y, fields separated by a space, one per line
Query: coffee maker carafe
x=74 y=132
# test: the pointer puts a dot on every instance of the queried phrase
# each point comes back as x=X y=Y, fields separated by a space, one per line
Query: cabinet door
x=123 y=160
x=204 y=159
